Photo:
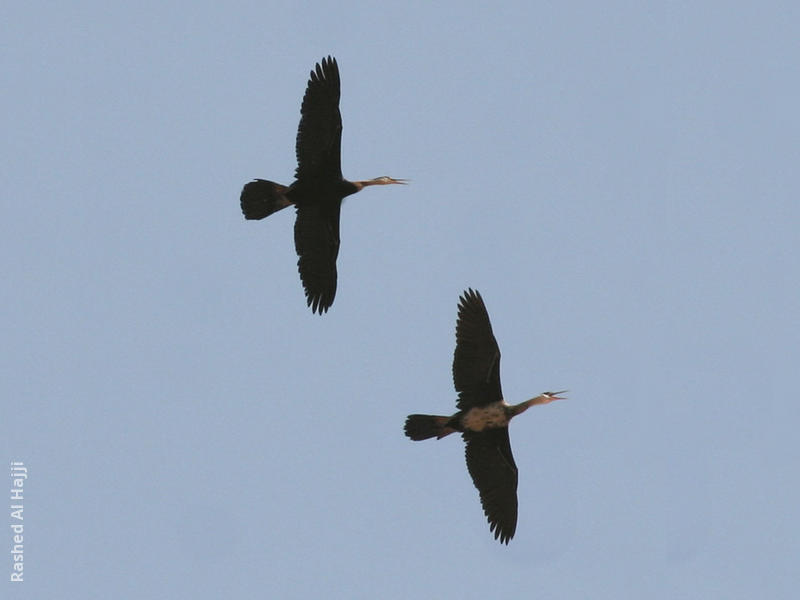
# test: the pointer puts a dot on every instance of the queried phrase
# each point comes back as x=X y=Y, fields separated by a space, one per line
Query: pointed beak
x=557 y=395
x=401 y=181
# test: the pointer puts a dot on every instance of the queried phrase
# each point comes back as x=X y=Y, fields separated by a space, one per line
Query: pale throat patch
x=486 y=417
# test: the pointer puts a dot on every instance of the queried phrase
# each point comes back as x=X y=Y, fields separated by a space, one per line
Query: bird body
x=318 y=189
x=491 y=416
x=483 y=416
x=476 y=419
x=496 y=415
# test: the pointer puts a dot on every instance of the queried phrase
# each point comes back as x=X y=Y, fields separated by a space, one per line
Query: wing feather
x=319 y=135
x=476 y=362
x=316 y=239
x=494 y=473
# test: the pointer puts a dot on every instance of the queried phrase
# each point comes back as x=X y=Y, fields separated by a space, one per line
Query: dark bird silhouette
x=318 y=189
x=483 y=416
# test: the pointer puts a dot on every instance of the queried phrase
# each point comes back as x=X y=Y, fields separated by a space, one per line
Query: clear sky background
x=619 y=181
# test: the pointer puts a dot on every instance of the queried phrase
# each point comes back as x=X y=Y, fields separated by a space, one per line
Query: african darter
x=318 y=189
x=482 y=416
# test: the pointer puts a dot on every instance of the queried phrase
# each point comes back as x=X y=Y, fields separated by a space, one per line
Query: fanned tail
x=423 y=427
x=260 y=198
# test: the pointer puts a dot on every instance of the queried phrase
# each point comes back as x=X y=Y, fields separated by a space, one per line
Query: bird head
x=385 y=180
x=547 y=397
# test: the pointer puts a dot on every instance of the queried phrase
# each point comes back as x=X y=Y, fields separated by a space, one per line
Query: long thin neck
x=362 y=184
x=523 y=406
x=378 y=181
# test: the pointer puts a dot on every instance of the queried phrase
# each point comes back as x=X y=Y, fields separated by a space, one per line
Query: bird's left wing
x=319 y=135
x=476 y=362
x=316 y=239
x=494 y=473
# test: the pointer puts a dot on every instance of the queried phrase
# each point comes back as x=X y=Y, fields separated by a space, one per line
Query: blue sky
x=619 y=182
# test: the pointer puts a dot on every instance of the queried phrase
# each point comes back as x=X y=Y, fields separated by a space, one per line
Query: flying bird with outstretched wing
x=318 y=189
x=483 y=416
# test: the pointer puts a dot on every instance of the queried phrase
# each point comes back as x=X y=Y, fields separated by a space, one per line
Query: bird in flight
x=318 y=189
x=483 y=416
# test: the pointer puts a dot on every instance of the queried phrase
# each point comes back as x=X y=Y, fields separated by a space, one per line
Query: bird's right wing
x=319 y=135
x=316 y=239
x=494 y=473
x=476 y=362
